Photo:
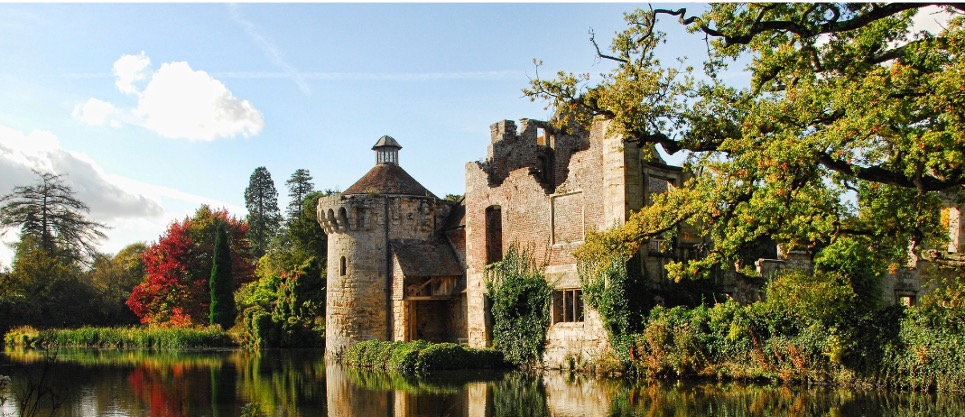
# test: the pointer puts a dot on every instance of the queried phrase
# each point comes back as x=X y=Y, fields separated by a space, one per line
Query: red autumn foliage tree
x=175 y=290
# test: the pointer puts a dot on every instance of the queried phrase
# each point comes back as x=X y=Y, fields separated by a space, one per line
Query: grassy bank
x=419 y=357
x=910 y=348
x=156 y=338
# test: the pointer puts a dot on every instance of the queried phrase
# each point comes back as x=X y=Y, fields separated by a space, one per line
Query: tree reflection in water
x=299 y=383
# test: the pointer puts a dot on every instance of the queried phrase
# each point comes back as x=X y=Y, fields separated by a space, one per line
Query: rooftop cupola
x=387 y=150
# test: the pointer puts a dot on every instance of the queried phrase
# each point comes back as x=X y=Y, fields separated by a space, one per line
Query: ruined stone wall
x=359 y=227
x=550 y=190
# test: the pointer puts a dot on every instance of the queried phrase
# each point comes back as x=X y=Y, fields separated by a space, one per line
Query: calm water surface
x=300 y=383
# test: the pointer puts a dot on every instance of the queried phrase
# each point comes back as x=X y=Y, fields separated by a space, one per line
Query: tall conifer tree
x=299 y=185
x=221 y=282
x=264 y=217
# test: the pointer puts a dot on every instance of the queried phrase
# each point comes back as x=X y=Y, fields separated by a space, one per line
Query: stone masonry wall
x=548 y=214
x=359 y=227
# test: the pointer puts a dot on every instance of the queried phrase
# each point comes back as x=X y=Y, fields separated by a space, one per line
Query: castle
x=404 y=264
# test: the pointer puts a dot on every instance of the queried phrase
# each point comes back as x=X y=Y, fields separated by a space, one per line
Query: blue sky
x=150 y=110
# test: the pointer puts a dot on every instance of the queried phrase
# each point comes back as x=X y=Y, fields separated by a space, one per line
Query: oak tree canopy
x=851 y=126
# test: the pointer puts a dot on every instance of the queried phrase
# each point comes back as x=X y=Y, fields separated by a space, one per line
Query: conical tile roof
x=388 y=179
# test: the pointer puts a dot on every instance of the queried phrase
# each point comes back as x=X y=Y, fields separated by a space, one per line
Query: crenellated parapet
x=339 y=213
x=403 y=217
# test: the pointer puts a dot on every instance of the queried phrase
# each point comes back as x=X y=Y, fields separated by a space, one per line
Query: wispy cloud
x=382 y=76
x=350 y=76
x=269 y=48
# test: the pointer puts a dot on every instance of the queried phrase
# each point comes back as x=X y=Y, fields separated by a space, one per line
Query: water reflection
x=298 y=383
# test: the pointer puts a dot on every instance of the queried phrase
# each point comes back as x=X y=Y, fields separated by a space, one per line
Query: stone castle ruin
x=404 y=264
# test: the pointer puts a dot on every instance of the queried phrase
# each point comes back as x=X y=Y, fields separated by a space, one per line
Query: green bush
x=929 y=352
x=284 y=311
x=419 y=357
x=920 y=348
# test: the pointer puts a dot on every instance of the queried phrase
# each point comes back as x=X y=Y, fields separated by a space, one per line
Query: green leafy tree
x=285 y=307
x=48 y=213
x=50 y=290
x=114 y=278
x=221 y=282
x=264 y=217
x=175 y=289
x=299 y=186
x=851 y=125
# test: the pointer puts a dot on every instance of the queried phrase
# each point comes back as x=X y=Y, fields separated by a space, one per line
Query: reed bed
x=157 y=338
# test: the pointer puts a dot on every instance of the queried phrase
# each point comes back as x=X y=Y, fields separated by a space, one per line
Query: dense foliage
x=850 y=126
x=806 y=339
x=520 y=306
x=48 y=213
x=264 y=217
x=47 y=290
x=419 y=357
x=175 y=290
x=221 y=283
x=57 y=279
x=285 y=307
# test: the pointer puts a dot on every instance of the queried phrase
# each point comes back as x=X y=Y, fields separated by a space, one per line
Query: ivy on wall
x=520 y=306
x=619 y=296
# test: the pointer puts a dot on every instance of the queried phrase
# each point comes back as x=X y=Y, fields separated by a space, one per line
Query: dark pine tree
x=264 y=217
x=299 y=185
x=221 y=282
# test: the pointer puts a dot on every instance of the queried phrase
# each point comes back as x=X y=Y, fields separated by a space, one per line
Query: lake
x=301 y=383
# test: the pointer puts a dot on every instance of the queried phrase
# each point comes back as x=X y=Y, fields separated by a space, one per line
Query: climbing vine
x=608 y=289
x=520 y=306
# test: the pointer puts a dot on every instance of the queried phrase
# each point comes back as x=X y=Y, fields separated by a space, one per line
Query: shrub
x=419 y=357
x=824 y=297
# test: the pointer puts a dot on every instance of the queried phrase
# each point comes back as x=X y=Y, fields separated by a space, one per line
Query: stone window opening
x=567 y=306
x=494 y=234
x=904 y=298
x=342 y=266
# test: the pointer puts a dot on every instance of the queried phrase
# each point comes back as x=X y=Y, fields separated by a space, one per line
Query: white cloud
x=180 y=102
x=20 y=154
x=130 y=69
x=176 y=101
x=96 y=112
x=134 y=211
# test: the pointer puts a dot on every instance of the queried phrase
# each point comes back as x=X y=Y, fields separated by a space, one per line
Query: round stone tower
x=385 y=205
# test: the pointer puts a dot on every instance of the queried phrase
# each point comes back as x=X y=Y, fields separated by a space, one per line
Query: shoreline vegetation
x=913 y=349
x=419 y=357
x=152 y=338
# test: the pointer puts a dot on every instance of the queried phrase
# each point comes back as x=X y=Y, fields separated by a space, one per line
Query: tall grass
x=157 y=338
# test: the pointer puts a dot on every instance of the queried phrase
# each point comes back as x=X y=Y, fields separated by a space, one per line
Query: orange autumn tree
x=175 y=289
